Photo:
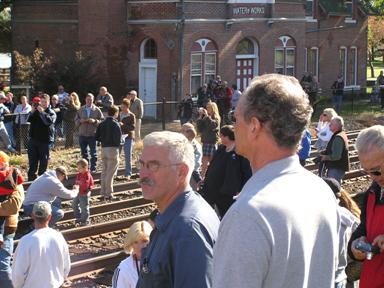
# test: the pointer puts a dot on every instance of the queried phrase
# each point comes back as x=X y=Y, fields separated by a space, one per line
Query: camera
x=35 y=105
x=368 y=249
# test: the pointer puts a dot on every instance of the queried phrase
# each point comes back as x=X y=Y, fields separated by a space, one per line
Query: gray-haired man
x=181 y=247
x=282 y=229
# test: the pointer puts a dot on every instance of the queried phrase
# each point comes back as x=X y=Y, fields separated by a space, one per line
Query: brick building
x=171 y=47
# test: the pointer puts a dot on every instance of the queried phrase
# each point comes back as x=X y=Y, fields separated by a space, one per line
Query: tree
x=75 y=72
x=5 y=30
x=375 y=38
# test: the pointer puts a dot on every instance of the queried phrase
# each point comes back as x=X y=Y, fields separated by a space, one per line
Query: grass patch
x=378 y=65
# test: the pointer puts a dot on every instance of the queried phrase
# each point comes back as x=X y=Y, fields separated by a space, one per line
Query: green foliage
x=5 y=30
x=374 y=7
x=44 y=73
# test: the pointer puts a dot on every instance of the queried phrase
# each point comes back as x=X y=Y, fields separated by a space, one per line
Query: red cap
x=36 y=99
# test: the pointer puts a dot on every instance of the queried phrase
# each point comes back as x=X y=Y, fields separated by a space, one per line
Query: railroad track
x=84 y=267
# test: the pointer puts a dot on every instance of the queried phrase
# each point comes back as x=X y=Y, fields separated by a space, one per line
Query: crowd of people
x=255 y=216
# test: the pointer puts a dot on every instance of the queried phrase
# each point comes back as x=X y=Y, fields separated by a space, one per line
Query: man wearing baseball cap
x=42 y=256
x=47 y=188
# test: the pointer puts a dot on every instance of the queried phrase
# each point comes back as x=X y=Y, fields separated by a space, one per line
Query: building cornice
x=213 y=21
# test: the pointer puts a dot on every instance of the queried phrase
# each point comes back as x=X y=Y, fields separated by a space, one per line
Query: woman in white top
x=324 y=134
x=127 y=273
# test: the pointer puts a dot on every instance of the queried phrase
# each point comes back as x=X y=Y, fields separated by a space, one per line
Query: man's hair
x=90 y=95
x=280 y=103
x=372 y=137
x=54 y=96
x=339 y=121
x=112 y=110
x=126 y=102
x=82 y=163
x=46 y=97
x=228 y=131
x=179 y=148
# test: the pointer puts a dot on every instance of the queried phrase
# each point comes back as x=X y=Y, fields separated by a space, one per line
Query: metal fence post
x=353 y=98
x=163 y=113
x=19 y=132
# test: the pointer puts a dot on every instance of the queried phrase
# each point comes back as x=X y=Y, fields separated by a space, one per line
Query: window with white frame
x=352 y=77
x=203 y=63
x=309 y=9
x=343 y=63
x=313 y=61
x=285 y=56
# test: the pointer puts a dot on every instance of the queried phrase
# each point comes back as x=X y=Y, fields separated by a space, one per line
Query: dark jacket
x=128 y=126
x=209 y=130
x=226 y=175
x=109 y=133
x=42 y=127
x=343 y=161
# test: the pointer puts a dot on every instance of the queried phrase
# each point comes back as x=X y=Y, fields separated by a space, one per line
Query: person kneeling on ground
x=46 y=188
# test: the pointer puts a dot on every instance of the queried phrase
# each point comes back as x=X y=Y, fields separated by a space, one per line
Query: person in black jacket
x=109 y=134
x=227 y=173
x=41 y=136
x=337 y=93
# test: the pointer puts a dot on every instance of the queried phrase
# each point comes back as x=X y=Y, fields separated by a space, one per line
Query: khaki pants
x=110 y=160
x=137 y=129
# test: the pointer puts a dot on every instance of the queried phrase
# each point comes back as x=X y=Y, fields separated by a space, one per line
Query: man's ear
x=254 y=127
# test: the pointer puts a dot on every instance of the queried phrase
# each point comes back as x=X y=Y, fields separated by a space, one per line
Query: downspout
x=181 y=49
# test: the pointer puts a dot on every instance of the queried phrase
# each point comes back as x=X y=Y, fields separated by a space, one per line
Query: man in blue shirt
x=181 y=245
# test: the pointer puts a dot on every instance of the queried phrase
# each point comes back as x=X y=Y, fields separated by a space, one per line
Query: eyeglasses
x=373 y=172
x=154 y=165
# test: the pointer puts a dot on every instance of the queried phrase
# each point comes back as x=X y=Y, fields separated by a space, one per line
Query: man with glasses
x=370 y=147
x=181 y=247
x=282 y=229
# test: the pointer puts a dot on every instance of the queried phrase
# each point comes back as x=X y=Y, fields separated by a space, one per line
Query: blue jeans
x=9 y=128
x=38 y=155
x=336 y=102
x=335 y=173
x=57 y=213
x=128 y=156
x=5 y=261
x=80 y=205
x=90 y=141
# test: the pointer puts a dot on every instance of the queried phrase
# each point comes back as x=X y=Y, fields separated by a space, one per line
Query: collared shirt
x=181 y=248
x=280 y=232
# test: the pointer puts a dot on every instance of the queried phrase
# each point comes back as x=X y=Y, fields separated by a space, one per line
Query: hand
x=76 y=187
x=359 y=255
x=379 y=241
x=91 y=121
x=40 y=109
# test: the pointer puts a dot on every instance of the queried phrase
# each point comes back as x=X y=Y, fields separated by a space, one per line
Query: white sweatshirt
x=41 y=260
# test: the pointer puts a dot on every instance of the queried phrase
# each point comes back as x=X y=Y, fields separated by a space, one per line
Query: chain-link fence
x=354 y=101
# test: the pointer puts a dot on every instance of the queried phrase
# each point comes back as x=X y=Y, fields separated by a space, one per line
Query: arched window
x=150 y=49
x=285 y=56
x=245 y=47
x=203 y=63
x=246 y=62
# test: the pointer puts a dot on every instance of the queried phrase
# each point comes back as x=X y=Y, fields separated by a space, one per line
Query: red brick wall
x=103 y=31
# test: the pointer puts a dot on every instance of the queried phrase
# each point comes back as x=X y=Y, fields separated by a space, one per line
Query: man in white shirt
x=42 y=257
